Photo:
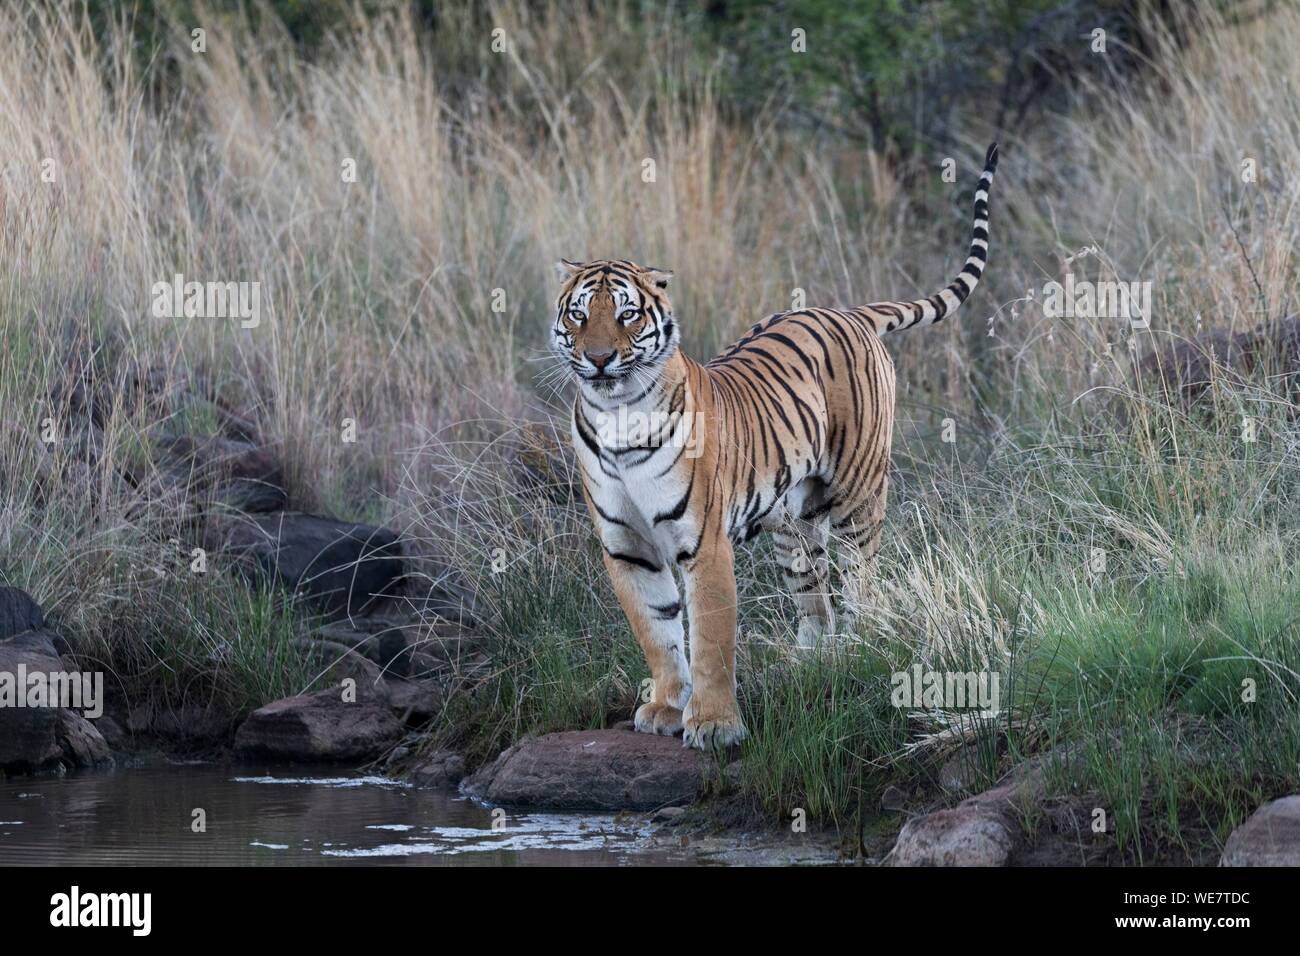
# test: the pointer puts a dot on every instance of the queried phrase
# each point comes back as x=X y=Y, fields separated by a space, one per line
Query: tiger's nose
x=599 y=359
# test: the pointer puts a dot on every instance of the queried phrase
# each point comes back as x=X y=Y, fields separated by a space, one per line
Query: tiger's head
x=613 y=320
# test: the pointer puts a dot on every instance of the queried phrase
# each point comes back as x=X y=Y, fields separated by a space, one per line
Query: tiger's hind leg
x=805 y=566
x=858 y=525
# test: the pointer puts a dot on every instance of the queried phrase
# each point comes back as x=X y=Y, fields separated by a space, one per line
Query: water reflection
x=269 y=818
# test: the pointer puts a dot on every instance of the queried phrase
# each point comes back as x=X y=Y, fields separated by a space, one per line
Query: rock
x=983 y=830
x=39 y=641
x=958 y=771
x=442 y=768
x=1271 y=837
x=341 y=565
x=236 y=474
x=409 y=647
x=28 y=738
x=961 y=836
x=319 y=728
x=423 y=648
x=1186 y=369
x=592 y=770
x=415 y=702
x=337 y=663
x=893 y=799
x=33 y=738
x=112 y=732
x=87 y=392
x=392 y=653
x=81 y=742
x=18 y=612
x=190 y=726
x=447 y=594
x=87 y=446
x=387 y=642
x=668 y=815
x=28 y=735
x=140 y=720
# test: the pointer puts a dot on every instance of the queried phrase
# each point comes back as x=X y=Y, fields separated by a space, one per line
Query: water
x=282 y=818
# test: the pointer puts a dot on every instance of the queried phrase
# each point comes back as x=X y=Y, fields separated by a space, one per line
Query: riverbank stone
x=1271 y=837
x=440 y=769
x=983 y=830
x=28 y=735
x=593 y=770
x=80 y=742
x=321 y=727
x=189 y=727
x=39 y=738
x=960 y=836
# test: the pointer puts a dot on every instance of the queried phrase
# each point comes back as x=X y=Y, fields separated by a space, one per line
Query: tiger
x=786 y=431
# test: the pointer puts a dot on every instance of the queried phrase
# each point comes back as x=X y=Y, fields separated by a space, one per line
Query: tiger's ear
x=566 y=268
x=659 y=277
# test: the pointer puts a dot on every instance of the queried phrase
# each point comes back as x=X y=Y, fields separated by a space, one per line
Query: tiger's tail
x=894 y=316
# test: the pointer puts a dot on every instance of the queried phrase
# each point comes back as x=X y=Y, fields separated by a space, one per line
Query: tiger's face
x=613 y=320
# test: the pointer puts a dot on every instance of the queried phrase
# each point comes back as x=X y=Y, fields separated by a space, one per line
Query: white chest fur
x=639 y=472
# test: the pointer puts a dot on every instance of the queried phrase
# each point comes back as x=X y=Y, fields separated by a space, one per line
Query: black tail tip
x=991 y=158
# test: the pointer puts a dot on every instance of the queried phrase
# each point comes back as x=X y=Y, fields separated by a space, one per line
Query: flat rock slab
x=1271 y=837
x=319 y=728
x=593 y=770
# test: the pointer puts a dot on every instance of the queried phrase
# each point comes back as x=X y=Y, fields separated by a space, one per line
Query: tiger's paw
x=708 y=731
x=653 y=718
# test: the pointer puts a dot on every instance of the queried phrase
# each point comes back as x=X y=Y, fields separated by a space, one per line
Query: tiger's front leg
x=712 y=717
x=649 y=597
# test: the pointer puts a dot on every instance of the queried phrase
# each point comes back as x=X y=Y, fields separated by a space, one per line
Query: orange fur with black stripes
x=788 y=430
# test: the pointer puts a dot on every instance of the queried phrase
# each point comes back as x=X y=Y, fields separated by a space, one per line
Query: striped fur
x=788 y=431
